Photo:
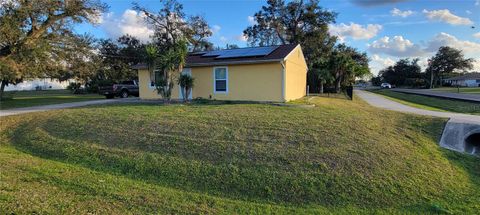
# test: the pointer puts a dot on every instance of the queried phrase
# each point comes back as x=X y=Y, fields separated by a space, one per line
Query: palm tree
x=324 y=77
x=152 y=55
x=186 y=83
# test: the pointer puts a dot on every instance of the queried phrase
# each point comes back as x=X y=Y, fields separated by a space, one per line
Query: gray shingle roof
x=468 y=76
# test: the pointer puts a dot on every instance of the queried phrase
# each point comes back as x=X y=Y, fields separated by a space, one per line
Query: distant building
x=467 y=80
x=39 y=84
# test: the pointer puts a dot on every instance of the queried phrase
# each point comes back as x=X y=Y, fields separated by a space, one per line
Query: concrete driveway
x=16 y=111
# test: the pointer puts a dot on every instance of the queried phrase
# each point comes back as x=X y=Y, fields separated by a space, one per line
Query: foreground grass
x=469 y=90
x=341 y=156
x=431 y=103
x=35 y=98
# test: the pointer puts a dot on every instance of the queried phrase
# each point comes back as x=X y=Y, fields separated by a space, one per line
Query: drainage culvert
x=461 y=137
x=472 y=144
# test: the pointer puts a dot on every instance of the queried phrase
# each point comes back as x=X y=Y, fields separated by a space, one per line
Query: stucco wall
x=254 y=82
x=147 y=92
x=296 y=75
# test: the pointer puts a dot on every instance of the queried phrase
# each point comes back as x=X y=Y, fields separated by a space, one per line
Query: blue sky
x=386 y=29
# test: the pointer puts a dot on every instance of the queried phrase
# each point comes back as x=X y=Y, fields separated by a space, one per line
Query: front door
x=187 y=71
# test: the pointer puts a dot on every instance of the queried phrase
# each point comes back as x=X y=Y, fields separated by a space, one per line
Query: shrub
x=75 y=88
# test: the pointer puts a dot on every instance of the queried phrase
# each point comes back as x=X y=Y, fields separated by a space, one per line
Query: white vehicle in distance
x=386 y=86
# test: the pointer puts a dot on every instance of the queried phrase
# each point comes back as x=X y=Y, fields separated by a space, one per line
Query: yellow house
x=274 y=74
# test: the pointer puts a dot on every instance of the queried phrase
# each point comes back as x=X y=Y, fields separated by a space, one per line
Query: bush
x=75 y=88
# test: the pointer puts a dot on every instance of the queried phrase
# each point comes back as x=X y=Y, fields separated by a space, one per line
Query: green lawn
x=34 y=98
x=341 y=157
x=431 y=103
x=469 y=90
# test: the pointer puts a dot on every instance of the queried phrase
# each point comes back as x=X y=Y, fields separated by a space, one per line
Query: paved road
x=459 y=96
x=61 y=106
x=382 y=102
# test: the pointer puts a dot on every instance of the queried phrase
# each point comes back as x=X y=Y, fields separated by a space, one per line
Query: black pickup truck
x=122 y=90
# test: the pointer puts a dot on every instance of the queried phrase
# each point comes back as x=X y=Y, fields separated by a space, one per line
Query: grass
x=469 y=90
x=20 y=99
x=339 y=157
x=431 y=103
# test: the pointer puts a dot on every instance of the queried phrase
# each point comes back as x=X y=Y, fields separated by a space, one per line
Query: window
x=221 y=79
x=154 y=77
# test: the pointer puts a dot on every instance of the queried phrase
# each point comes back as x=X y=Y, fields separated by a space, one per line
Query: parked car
x=122 y=90
x=386 y=86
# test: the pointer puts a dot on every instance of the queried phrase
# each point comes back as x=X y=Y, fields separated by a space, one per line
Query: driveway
x=458 y=96
x=382 y=102
x=16 y=111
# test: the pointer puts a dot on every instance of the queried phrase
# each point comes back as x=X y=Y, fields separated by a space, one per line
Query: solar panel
x=247 y=52
x=213 y=53
x=243 y=52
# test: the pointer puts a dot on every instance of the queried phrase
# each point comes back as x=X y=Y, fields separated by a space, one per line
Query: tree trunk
x=187 y=92
x=321 y=87
x=2 y=88
x=431 y=80
x=338 y=83
x=182 y=90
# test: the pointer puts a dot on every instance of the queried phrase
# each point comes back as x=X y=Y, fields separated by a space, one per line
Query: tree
x=446 y=61
x=171 y=62
x=296 y=22
x=199 y=32
x=231 y=46
x=324 y=77
x=118 y=56
x=376 y=80
x=186 y=83
x=168 y=50
x=405 y=72
x=345 y=65
x=36 y=36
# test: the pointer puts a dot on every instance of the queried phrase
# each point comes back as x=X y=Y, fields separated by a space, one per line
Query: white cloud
x=477 y=3
x=251 y=20
x=468 y=12
x=378 y=63
x=398 y=12
x=399 y=47
x=476 y=65
x=241 y=37
x=215 y=29
x=223 y=39
x=446 y=16
x=131 y=22
x=355 y=31
x=477 y=35
x=444 y=39
x=396 y=46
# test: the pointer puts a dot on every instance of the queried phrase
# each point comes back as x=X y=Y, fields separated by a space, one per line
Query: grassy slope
x=469 y=90
x=432 y=103
x=341 y=156
x=35 y=98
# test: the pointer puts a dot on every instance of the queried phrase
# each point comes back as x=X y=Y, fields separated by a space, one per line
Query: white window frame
x=215 y=79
